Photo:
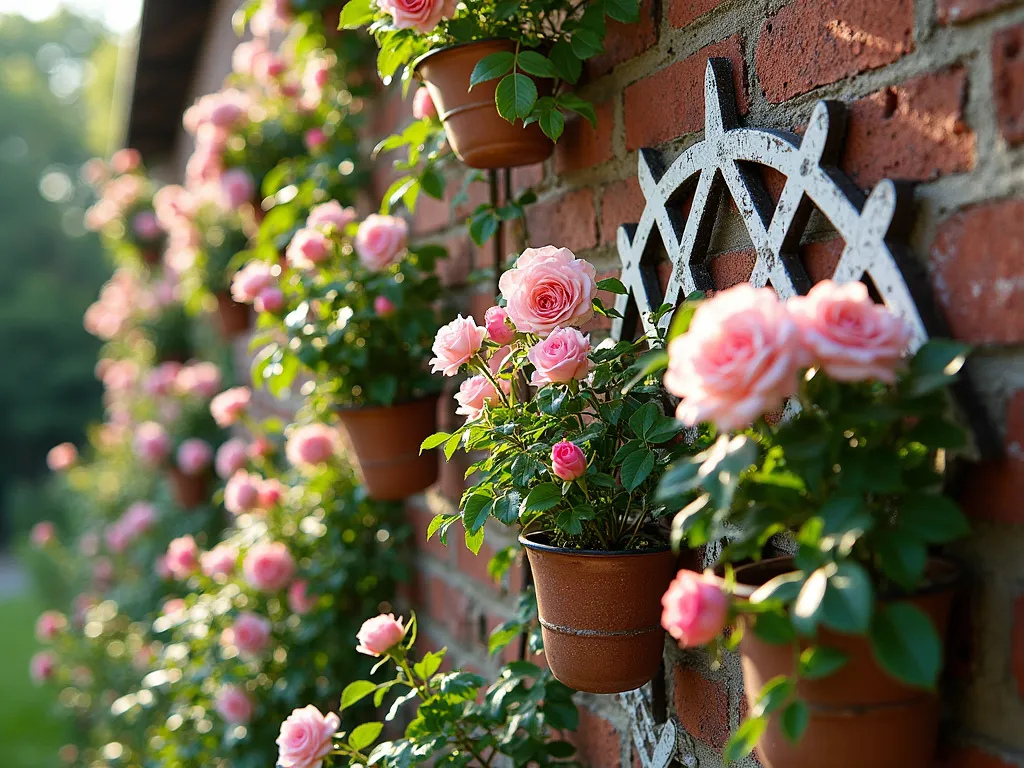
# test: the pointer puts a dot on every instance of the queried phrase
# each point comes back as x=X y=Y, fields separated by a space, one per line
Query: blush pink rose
x=380 y=240
x=695 y=609
x=43 y=534
x=146 y=225
x=473 y=394
x=314 y=138
x=549 y=288
x=62 y=457
x=299 y=600
x=161 y=380
x=312 y=444
x=242 y=492
x=152 y=443
x=380 y=634
x=237 y=188
x=139 y=518
x=849 y=336
x=231 y=457
x=560 y=358
x=194 y=456
x=383 y=306
x=199 y=379
x=306 y=738
x=422 y=105
x=421 y=15
x=219 y=561
x=456 y=344
x=250 y=281
x=250 y=634
x=568 y=462
x=234 y=705
x=182 y=558
x=230 y=405
x=498 y=329
x=117 y=537
x=270 y=300
x=125 y=160
x=49 y=625
x=739 y=360
x=330 y=214
x=307 y=248
x=269 y=566
x=271 y=493
x=42 y=667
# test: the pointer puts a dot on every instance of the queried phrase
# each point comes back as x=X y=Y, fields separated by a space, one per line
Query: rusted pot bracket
x=873 y=228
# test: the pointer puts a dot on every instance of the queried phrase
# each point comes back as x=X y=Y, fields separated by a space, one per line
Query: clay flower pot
x=860 y=716
x=190 y=491
x=600 y=613
x=477 y=133
x=233 y=317
x=386 y=444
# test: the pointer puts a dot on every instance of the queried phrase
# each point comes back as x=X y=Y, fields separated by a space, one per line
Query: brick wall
x=935 y=90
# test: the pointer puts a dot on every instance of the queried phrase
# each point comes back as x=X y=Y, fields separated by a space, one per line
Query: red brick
x=913 y=131
x=455 y=269
x=583 y=146
x=622 y=202
x=568 y=221
x=973 y=757
x=625 y=41
x=527 y=176
x=1017 y=651
x=957 y=11
x=670 y=103
x=682 y=13
x=477 y=193
x=702 y=706
x=976 y=271
x=431 y=215
x=821 y=259
x=597 y=741
x=995 y=487
x=450 y=608
x=816 y=42
x=1008 y=82
x=475 y=566
x=420 y=518
x=733 y=268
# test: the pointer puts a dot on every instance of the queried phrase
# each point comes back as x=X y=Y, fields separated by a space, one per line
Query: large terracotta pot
x=386 y=443
x=477 y=133
x=860 y=716
x=233 y=317
x=600 y=614
x=190 y=491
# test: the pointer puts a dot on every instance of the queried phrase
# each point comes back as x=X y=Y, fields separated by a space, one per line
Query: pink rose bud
x=695 y=608
x=473 y=394
x=422 y=105
x=380 y=634
x=383 y=306
x=315 y=138
x=311 y=444
x=300 y=602
x=118 y=538
x=380 y=240
x=194 y=456
x=42 y=667
x=62 y=457
x=219 y=561
x=456 y=344
x=230 y=405
x=307 y=248
x=549 y=288
x=568 y=462
x=49 y=625
x=152 y=443
x=231 y=457
x=260 y=448
x=182 y=558
x=269 y=566
x=242 y=492
x=330 y=214
x=125 y=160
x=43 y=534
x=306 y=738
x=271 y=492
x=421 y=15
x=498 y=330
x=234 y=705
x=251 y=280
x=250 y=634
x=562 y=357
x=270 y=300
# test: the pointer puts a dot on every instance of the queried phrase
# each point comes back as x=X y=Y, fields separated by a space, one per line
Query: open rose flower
x=250 y=634
x=421 y=15
x=568 y=461
x=695 y=608
x=234 y=705
x=312 y=444
x=231 y=457
x=380 y=240
x=152 y=443
x=229 y=406
x=739 y=360
x=199 y=379
x=562 y=357
x=219 y=561
x=250 y=281
x=182 y=558
x=270 y=300
x=380 y=634
x=473 y=394
x=194 y=456
x=269 y=566
x=61 y=457
x=849 y=336
x=383 y=306
x=242 y=492
x=330 y=214
x=299 y=600
x=549 y=288
x=455 y=344
x=306 y=738
x=307 y=248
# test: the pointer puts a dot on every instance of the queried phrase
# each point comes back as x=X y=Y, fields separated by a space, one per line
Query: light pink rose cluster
x=152 y=444
x=219 y=561
x=61 y=457
x=230 y=405
x=562 y=357
x=194 y=456
x=568 y=462
x=308 y=247
x=421 y=15
x=202 y=379
x=455 y=345
x=380 y=241
x=234 y=705
x=269 y=566
x=695 y=608
x=182 y=558
x=306 y=738
x=49 y=625
x=380 y=634
x=250 y=634
x=549 y=288
x=232 y=456
x=330 y=214
x=312 y=444
x=473 y=394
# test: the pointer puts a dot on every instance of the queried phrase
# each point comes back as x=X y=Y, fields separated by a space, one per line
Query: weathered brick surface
x=732 y=268
x=583 y=146
x=702 y=706
x=995 y=487
x=682 y=13
x=626 y=41
x=622 y=202
x=569 y=221
x=1008 y=82
x=598 y=743
x=810 y=43
x=958 y=11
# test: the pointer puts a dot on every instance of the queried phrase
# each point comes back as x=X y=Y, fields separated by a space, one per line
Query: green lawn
x=29 y=731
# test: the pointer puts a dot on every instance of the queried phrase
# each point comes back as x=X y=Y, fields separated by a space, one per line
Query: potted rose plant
x=841 y=642
x=575 y=465
x=480 y=54
x=124 y=213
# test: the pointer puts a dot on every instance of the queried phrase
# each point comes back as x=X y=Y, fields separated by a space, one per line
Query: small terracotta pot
x=600 y=614
x=190 y=491
x=234 y=318
x=478 y=134
x=386 y=443
x=860 y=716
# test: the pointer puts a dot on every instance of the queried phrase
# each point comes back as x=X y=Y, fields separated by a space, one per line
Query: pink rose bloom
x=245 y=55
x=234 y=705
x=62 y=457
x=695 y=608
x=269 y=67
x=152 y=444
x=498 y=329
x=260 y=448
x=103 y=571
x=271 y=492
x=306 y=738
x=849 y=336
x=560 y=358
x=330 y=214
x=230 y=405
x=383 y=306
x=456 y=344
x=199 y=379
x=118 y=538
x=317 y=74
x=251 y=280
x=139 y=518
x=739 y=360
x=194 y=456
x=421 y=15
x=146 y=226
x=568 y=462
x=95 y=172
x=49 y=625
x=380 y=240
x=242 y=492
x=250 y=634
x=237 y=188
x=42 y=667
x=299 y=600
x=307 y=248
x=270 y=300
x=231 y=457
x=473 y=393
x=422 y=105
x=219 y=561
x=311 y=444
x=161 y=380
x=125 y=160
x=43 y=534
x=380 y=634
x=314 y=139
x=269 y=566
x=182 y=558
x=173 y=607
x=549 y=288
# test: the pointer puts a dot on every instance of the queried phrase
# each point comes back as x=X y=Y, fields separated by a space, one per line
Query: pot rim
x=340 y=409
x=424 y=56
x=537 y=546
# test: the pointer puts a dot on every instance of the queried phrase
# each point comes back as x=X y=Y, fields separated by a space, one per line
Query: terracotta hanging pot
x=190 y=491
x=386 y=444
x=600 y=613
x=233 y=317
x=860 y=716
x=477 y=133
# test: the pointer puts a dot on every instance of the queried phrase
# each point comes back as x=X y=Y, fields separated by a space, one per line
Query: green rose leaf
x=536 y=64
x=635 y=469
x=355 y=692
x=515 y=96
x=907 y=645
x=491 y=67
x=819 y=662
x=542 y=498
x=794 y=721
x=848 y=599
x=364 y=735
